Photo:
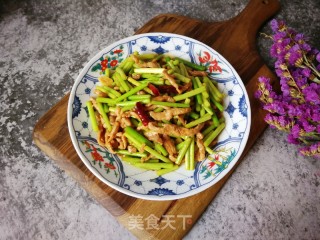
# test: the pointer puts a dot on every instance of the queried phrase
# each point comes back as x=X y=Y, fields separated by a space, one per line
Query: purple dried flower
x=305 y=110
x=277 y=106
x=286 y=42
x=315 y=114
x=265 y=81
x=274 y=51
x=279 y=64
x=291 y=139
x=300 y=75
x=299 y=38
x=312 y=94
x=269 y=119
x=277 y=25
x=313 y=150
x=297 y=109
x=265 y=92
x=305 y=47
x=318 y=57
x=283 y=121
x=258 y=94
x=294 y=55
x=314 y=51
x=295 y=131
x=279 y=72
x=293 y=110
x=307 y=127
x=273 y=95
x=285 y=87
x=306 y=72
x=280 y=48
x=278 y=36
x=274 y=25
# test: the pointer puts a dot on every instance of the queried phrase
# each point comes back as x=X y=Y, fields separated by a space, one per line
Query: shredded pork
x=152 y=65
x=200 y=135
x=132 y=149
x=122 y=140
x=99 y=93
x=170 y=147
x=201 y=153
x=169 y=113
x=125 y=122
x=181 y=119
x=101 y=135
x=171 y=80
x=163 y=98
x=114 y=131
x=186 y=87
x=135 y=58
x=197 y=73
x=153 y=136
x=144 y=159
x=175 y=130
x=153 y=107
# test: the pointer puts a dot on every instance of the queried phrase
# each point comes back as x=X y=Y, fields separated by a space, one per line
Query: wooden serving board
x=235 y=40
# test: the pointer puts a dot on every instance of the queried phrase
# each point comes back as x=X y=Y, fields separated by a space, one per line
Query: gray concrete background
x=273 y=194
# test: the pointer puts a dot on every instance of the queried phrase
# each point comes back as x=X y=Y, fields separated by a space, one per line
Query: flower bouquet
x=296 y=110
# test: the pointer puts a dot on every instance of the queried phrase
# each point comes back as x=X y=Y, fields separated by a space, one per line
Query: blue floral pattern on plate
x=146 y=184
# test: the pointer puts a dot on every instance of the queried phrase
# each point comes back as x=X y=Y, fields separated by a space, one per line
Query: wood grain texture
x=235 y=40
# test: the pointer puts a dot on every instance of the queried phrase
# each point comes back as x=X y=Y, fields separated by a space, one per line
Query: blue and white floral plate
x=146 y=184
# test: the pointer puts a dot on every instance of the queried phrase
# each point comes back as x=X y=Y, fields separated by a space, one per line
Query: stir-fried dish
x=157 y=112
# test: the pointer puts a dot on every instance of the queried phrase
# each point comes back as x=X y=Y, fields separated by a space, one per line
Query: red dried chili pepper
x=154 y=89
x=144 y=117
x=167 y=89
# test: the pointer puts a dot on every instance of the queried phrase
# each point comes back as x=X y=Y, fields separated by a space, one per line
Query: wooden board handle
x=243 y=28
x=255 y=14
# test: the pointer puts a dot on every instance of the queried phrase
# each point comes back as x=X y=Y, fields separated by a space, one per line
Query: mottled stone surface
x=273 y=194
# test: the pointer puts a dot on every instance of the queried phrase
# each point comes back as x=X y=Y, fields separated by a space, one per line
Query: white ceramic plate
x=146 y=184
